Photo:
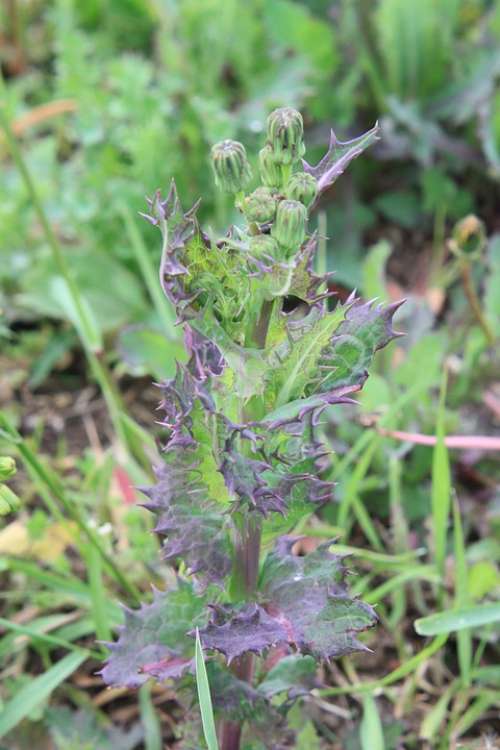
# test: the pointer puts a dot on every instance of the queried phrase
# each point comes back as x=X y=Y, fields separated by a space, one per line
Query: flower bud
x=285 y=130
x=260 y=206
x=230 y=164
x=9 y=501
x=270 y=170
x=469 y=238
x=289 y=228
x=263 y=244
x=7 y=468
x=302 y=187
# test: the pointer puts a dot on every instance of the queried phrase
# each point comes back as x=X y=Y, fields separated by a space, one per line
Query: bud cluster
x=277 y=211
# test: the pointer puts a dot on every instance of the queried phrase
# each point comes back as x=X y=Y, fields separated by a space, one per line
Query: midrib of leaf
x=301 y=358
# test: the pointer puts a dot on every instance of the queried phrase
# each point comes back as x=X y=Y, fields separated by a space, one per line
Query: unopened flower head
x=285 y=131
x=469 y=237
x=230 y=164
x=289 y=229
x=263 y=245
x=302 y=187
x=269 y=167
x=260 y=206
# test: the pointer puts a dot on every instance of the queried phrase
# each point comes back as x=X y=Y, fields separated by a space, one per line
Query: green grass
x=82 y=315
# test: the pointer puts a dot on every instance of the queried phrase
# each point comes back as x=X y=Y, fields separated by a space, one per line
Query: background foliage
x=109 y=99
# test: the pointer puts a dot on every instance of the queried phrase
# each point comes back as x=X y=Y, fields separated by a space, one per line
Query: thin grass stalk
x=39 y=473
x=85 y=326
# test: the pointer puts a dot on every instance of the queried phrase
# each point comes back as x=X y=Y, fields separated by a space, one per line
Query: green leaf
x=29 y=697
x=299 y=367
x=149 y=352
x=86 y=325
x=204 y=697
x=371 y=733
x=295 y=27
x=374 y=270
x=294 y=672
x=400 y=206
x=236 y=700
x=453 y=620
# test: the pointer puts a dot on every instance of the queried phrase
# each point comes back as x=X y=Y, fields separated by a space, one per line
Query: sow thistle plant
x=244 y=463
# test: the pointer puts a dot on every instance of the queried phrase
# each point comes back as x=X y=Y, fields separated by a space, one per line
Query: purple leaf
x=338 y=156
x=309 y=597
x=235 y=630
x=178 y=229
x=205 y=357
x=189 y=495
x=153 y=641
x=304 y=602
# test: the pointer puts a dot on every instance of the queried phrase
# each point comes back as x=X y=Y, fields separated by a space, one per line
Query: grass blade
x=371 y=734
x=464 y=637
x=452 y=620
x=441 y=485
x=207 y=714
x=150 y=722
x=50 y=640
x=37 y=691
x=99 y=595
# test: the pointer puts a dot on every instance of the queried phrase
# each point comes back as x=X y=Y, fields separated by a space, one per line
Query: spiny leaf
x=329 y=351
x=190 y=495
x=338 y=156
x=309 y=597
x=153 y=641
x=235 y=630
x=304 y=602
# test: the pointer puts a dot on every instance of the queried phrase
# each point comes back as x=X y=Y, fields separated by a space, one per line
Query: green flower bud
x=270 y=169
x=263 y=244
x=302 y=187
x=285 y=130
x=7 y=467
x=260 y=206
x=469 y=238
x=230 y=164
x=289 y=228
x=9 y=501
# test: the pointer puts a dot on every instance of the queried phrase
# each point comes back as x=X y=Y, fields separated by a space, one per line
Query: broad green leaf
x=294 y=672
x=149 y=352
x=82 y=318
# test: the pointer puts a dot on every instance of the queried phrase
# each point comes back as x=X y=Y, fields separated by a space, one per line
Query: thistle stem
x=245 y=575
x=246 y=565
